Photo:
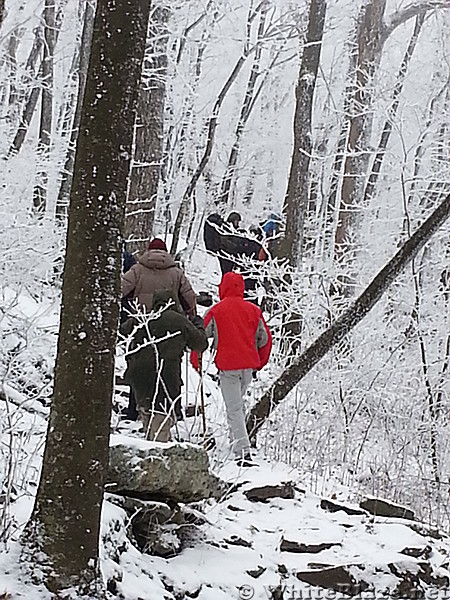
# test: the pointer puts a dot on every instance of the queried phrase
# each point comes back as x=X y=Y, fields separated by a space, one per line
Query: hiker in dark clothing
x=230 y=242
x=154 y=362
x=251 y=248
x=227 y=241
x=155 y=270
x=211 y=232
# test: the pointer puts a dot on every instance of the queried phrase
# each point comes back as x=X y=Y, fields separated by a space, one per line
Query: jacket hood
x=232 y=285
x=162 y=297
x=156 y=259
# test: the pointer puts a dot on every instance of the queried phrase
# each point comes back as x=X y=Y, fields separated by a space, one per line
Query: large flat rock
x=154 y=471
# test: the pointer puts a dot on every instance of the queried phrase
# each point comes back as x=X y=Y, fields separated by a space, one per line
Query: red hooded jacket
x=237 y=324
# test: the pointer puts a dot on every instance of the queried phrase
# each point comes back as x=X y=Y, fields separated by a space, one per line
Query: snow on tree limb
x=413 y=10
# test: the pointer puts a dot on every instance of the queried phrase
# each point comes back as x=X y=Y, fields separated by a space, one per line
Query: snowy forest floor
x=243 y=548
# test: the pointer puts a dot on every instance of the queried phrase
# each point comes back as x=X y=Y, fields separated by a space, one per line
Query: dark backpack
x=211 y=235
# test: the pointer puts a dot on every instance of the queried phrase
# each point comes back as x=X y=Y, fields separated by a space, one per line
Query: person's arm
x=195 y=334
x=263 y=342
x=209 y=332
x=261 y=336
x=129 y=281
x=187 y=296
x=128 y=261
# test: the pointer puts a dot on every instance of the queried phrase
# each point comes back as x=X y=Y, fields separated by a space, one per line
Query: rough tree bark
x=61 y=539
x=297 y=193
x=149 y=130
x=347 y=321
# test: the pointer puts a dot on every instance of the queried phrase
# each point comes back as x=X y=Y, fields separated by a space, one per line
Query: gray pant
x=233 y=385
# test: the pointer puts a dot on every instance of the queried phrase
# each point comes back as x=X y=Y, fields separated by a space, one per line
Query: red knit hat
x=157 y=244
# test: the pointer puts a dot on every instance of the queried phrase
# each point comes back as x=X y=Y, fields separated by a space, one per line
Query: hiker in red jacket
x=243 y=343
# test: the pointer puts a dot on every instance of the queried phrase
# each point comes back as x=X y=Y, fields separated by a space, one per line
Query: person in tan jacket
x=156 y=270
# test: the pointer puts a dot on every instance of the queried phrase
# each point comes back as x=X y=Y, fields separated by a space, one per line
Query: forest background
x=334 y=115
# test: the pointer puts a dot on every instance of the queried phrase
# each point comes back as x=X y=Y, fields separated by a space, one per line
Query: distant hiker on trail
x=251 y=249
x=230 y=242
x=154 y=362
x=271 y=228
x=223 y=238
x=156 y=270
x=211 y=232
x=243 y=343
x=226 y=240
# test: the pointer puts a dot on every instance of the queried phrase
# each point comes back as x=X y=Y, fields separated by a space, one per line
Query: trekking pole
x=202 y=398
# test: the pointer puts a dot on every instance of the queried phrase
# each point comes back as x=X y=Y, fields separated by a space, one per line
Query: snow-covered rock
x=155 y=471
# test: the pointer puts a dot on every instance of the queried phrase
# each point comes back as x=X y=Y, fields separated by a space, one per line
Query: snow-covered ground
x=242 y=548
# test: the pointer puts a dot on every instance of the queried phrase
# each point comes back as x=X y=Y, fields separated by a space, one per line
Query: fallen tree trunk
x=347 y=321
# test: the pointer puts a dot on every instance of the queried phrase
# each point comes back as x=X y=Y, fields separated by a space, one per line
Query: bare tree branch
x=409 y=12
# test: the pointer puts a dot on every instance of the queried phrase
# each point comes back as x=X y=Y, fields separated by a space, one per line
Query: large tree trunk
x=297 y=194
x=347 y=321
x=147 y=160
x=62 y=536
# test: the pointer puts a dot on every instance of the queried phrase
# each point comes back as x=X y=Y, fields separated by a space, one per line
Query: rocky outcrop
x=340 y=579
x=333 y=507
x=301 y=548
x=264 y=493
x=265 y=536
x=154 y=483
x=162 y=472
x=383 y=508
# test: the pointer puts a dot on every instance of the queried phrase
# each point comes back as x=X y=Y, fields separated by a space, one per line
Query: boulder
x=299 y=547
x=267 y=492
x=333 y=507
x=383 y=508
x=337 y=578
x=415 y=578
x=162 y=472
